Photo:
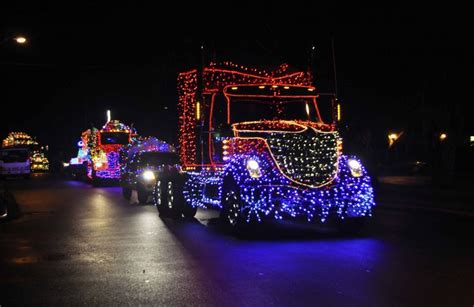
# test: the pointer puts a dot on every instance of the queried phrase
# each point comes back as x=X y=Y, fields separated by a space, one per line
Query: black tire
x=142 y=196
x=188 y=211
x=231 y=213
x=95 y=180
x=127 y=193
x=158 y=199
x=172 y=199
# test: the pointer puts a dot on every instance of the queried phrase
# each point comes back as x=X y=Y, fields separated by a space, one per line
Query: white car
x=15 y=162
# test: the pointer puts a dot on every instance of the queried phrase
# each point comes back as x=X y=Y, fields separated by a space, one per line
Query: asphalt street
x=79 y=245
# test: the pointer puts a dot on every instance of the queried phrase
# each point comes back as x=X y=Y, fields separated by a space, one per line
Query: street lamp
x=20 y=39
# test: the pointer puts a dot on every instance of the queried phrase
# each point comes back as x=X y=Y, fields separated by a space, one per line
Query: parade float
x=99 y=151
x=253 y=144
x=39 y=161
x=144 y=161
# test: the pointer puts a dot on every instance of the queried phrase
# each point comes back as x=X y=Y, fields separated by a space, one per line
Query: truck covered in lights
x=253 y=143
x=144 y=162
x=100 y=150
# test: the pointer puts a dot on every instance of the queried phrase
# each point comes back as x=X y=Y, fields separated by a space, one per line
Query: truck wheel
x=95 y=180
x=231 y=213
x=158 y=199
x=142 y=196
x=127 y=193
x=172 y=199
x=188 y=211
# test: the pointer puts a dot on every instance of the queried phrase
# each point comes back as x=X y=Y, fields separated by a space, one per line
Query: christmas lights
x=38 y=160
x=270 y=168
x=100 y=149
x=18 y=139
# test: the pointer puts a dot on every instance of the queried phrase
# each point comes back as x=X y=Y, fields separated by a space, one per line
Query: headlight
x=254 y=168
x=355 y=167
x=148 y=175
x=99 y=164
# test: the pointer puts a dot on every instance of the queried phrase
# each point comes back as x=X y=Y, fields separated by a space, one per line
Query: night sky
x=82 y=59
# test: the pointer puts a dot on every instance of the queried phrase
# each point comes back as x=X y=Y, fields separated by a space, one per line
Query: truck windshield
x=11 y=156
x=120 y=138
x=255 y=110
x=167 y=158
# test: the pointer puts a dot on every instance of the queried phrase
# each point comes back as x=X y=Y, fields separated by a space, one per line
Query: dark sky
x=82 y=59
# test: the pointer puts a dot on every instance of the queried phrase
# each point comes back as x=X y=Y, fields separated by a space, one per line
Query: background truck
x=254 y=144
x=102 y=148
x=15 y=162
x=145 y=162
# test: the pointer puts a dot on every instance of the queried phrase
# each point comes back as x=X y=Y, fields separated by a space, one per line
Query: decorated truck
x=100 y=150
x=253 y=144
x=24 y=155
x=144 y=162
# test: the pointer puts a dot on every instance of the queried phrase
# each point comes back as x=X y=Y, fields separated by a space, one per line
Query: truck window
x=268 y=109
x=120 y=138
x=13 y=156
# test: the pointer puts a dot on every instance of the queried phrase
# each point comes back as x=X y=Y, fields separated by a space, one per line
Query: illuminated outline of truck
x=102 y=148
x=266 y=168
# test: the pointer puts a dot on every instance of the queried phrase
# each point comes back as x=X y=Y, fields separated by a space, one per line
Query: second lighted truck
x=253 y=144
x=99 y=151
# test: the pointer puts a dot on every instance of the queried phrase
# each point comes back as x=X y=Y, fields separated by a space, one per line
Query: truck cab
x=15 y=162
x=255 y=145
x=145 y=163
x=103 y=148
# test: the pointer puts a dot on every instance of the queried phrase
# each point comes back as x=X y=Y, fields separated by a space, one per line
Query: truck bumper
x=340 y=200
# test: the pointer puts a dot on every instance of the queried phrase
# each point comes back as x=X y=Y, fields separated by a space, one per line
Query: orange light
x=274 y=86
x=286 y=87
x=443 y=136
x=311 y=89
x=198 y=110
x=234 y=88
x=261 y=87
x=338 y=112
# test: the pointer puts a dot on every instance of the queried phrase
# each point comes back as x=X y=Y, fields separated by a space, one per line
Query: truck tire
x=172 y=199
x=188 y=211
x=95 y=180
x=158 y=199
x=142 y=196
x=127 y=193
x=231 y=201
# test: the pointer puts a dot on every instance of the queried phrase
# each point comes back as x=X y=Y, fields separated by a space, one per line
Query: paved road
x=81 y=245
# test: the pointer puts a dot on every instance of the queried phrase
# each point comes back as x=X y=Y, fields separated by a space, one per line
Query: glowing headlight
x=148 y=175
x=253 y=168
x=355 y=167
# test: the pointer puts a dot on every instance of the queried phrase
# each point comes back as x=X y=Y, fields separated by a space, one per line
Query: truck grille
x=309 y=157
